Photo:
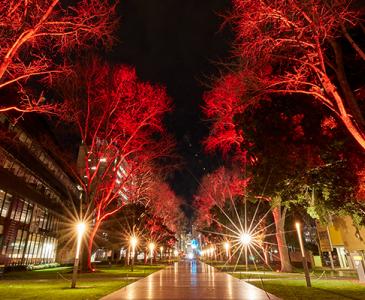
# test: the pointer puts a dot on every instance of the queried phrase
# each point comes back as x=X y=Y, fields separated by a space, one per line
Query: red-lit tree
x=217 y=189
x=166 y=205
x=35 y=36
x=119 y=120
x=295 y=47
x=284 y=48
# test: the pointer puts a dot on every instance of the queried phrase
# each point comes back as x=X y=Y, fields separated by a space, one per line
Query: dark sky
x=177 y=43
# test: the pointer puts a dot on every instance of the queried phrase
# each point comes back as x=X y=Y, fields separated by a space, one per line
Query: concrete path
x=189 y=280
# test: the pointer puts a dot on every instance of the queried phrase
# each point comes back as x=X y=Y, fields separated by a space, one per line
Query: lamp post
x=151 y=246
x=133 y=242
x=245 y=240
x=226 y=247
x=176 y=253
x=80 y=230
x=304 y=259
x=161 y=251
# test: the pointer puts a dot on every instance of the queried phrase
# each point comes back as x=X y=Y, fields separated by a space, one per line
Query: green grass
x=292 y=286
x=320 y=290
x=55 y=283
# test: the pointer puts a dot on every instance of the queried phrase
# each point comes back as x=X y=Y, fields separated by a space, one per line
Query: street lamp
x=80 y=230
x=161 y=251
x=151 y=246
x=226 y=247
x=304 y=258
x=133 y=242
x=245 y=239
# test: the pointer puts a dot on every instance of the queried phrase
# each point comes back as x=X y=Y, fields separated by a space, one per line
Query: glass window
x=17 y=210
x=29 y=214
x=23 y=137
x=45 y=221
x=15 y=168
x=8 y=164
x=41 y=217
x=25 y=212
x=28 y=142
x=6 y=205
x=2 y=198
x=21 y=173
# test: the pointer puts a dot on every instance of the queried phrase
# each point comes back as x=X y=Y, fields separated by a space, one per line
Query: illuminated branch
x=35 y=34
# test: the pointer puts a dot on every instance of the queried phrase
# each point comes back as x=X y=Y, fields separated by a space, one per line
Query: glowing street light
x=133 y=242
x=151 y=246
x=226 y=247
x=176 y=253
x=245 y=239
x=304 y=258
x=80 y=230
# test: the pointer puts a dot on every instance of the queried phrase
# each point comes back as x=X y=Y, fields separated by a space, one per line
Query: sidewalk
x=189 y=280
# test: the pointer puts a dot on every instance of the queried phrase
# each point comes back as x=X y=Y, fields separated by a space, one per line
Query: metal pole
x=132 y=265
x=77 y=258
x=304 y=258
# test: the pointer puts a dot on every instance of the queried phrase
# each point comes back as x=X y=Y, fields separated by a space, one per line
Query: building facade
x=341 y=240
x=33 y=192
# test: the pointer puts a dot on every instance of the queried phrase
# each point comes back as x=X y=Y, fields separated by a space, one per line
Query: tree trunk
x=348 y=120
x=90 y=245
x=345 y=86
x=266 y=256
x=279 y=219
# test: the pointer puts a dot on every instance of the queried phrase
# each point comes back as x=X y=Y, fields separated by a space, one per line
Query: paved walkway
x=189 y=280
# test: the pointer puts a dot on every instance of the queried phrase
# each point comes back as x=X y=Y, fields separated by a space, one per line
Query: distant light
x=245 y=238
x=134 y=241
x=190 y=255
x=93 y=168
x=226 y=246
x=151 y=246
x=103 y=159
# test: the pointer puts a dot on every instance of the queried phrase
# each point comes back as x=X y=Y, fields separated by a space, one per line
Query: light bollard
x=226 y=247
x=133 y=243
x=161 y=252
x=151 y=246
x=80 y=228
x=304 y=258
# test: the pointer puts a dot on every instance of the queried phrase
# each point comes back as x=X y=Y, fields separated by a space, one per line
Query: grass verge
x=295 y=289
x=55 y=283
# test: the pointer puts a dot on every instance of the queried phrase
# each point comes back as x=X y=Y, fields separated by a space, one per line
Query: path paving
x=190 y=280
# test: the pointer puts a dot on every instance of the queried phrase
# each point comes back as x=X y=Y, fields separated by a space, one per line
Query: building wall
x=33 y=191
x=353 y=239
x=27 y=231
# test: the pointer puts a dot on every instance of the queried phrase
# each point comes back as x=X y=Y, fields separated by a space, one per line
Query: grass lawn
x=55 y=283
x=283 y=286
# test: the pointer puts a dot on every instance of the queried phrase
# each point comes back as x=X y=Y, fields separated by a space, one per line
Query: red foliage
x=221 y=105
x=34 y=35
x=291 y=47
x=215 y=189
x=165 y=205
x=119 y=120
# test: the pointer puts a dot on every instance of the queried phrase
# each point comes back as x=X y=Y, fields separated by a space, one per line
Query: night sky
x=178 y=44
